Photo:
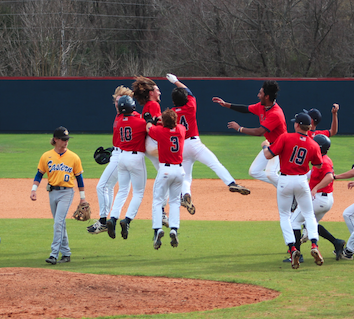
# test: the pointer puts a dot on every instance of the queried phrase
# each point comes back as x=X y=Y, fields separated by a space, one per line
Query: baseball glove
x=83 y=212
x=102 y=156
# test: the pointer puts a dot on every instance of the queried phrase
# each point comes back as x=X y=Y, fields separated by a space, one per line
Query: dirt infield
x=40 y=290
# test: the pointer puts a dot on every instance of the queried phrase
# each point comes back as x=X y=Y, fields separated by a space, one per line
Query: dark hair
x=271 y=88
x=169 y=118
x=141 y=88
x=179 y=96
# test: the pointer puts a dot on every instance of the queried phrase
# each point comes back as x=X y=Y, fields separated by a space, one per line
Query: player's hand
x=147 y=117
x=265 y=143
x=335 y=108
x=350 y=185
x=233 y=125
x=220 y=101
x=33 y=195
x=171 y=77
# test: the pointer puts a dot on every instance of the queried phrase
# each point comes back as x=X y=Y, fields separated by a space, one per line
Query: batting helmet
x=324 y=142
x=102 y=156
x=126 y=104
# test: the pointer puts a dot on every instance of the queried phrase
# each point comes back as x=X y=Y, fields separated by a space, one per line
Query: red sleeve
x=153 y=108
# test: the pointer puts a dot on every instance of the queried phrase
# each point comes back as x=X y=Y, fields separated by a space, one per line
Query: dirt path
x=40 y=290
x=211 y=197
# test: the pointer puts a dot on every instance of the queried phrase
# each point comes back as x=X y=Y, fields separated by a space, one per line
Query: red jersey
x=295 y=152
x=170 y=143
x=187 y=116
x=273 y=120
x=132 y=133
x=312 y=134
x=153 y=108
x=116 y=136
x=318 y=174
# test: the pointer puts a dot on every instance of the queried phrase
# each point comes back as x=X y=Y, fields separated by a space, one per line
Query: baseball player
x=321 y=185
x=296 y=151
x=194 y=150
x=147 y=93
x=131 y=165
x=62 y=166
x=348 y=216
x=109 y=177
x=272 y=125
x=316 y=117
x=170 y=139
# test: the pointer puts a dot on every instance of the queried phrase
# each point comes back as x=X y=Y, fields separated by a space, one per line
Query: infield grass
x=243 y=252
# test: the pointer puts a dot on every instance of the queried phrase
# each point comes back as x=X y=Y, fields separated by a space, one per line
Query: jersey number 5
x=298 y=156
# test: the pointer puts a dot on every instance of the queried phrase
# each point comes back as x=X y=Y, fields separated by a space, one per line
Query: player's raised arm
x=334 y=126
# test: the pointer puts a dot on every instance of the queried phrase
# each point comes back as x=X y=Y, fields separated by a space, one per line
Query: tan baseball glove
x=83 y=212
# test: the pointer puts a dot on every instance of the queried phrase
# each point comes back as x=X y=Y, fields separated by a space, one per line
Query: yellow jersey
x=61 y=170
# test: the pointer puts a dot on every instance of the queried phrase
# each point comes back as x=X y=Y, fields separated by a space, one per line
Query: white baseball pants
x=131 y=168
x=298 y=186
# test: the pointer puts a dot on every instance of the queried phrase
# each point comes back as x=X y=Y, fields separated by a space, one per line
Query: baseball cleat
x=165 y=220
x=295 y=259
x=157 y=239
x=339 y=247
x=51 y=260
x=125 y=228
x=174 y=238
x=304 y=236
x=293 y=205
x=97 y=228
x=235 y=188
x=288 y=260
x=111 y=227
x=346 y=254
x=315 y=253
x=64 y=259
x=187 y=202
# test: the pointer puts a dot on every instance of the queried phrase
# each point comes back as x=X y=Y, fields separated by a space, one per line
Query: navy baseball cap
x=62 y=133
x=315 y=115
x=302 y=119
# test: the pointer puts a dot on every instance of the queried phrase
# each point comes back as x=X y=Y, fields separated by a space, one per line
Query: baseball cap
x=315 y=115
x=302 y=119
x=62 y=133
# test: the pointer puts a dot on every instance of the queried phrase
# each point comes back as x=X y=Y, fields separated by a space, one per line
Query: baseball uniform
x=273 y=121
x=61 y=170
x=169 y=177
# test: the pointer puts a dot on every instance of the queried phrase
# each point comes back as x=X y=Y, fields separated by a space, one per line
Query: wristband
x=34 y=187
x=334 y=176
x=264 y=147
x=82 y=194
x=240 y=129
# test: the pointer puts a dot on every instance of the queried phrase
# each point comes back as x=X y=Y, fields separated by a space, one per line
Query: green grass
x=243 y=252
x=20 y=153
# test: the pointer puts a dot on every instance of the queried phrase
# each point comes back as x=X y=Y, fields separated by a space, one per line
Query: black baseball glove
x=102 y=156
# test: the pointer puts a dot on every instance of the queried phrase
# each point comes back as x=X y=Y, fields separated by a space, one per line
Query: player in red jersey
x=194 y=150
x=296 y=151
x=316 y=117
x=147 y=93
x=109 y=177
x=170 y=139
x=272 y=125
x=321 y=185
x=131 y=165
